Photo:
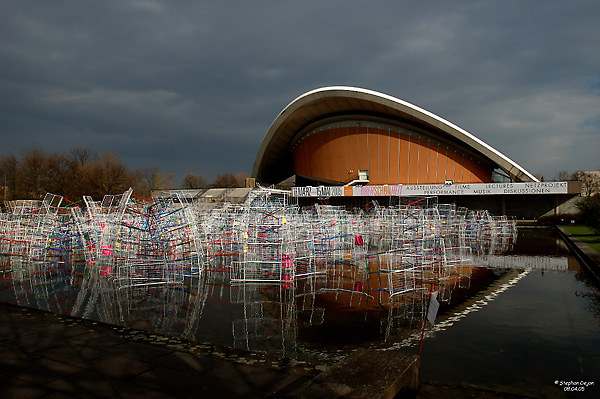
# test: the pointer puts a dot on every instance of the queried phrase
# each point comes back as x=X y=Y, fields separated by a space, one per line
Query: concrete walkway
x=45 y=355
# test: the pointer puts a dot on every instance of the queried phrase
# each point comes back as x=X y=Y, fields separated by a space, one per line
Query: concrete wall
x=519 y=206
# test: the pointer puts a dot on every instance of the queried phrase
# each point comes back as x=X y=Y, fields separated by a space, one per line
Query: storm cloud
x=193 y=86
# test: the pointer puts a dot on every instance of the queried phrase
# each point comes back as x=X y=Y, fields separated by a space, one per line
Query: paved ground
x=437 y=390
x=44 y=355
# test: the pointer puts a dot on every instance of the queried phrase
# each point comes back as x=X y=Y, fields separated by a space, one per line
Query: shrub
x=589 y=208
x=560 y=219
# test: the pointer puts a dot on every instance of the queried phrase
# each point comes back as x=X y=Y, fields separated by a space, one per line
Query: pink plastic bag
x=288 y=261
x=358 y=240
x=106 y=250
x=287 y=281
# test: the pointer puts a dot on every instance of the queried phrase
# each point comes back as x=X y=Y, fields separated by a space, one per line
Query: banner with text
x=432 y=190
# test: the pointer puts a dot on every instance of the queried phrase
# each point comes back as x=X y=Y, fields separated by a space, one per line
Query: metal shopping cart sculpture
x=380 y=257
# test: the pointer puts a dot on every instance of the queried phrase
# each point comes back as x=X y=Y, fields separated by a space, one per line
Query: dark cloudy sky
x=190 y=86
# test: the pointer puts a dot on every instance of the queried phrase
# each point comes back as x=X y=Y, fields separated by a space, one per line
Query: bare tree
x=225 y=180
x=150 y=179
x=81 y=155
x=9 y=166
x=115 y=175
x=166 y=181
x=55 y=176
x=77 y=161
x=590 y=180
x=78 y=172
x=241 y=177
x=192 y=181
x=562 y=175
x=30 y=175
x=106 y=175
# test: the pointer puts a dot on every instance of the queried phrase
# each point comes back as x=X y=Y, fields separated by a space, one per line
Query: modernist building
x=346 y=136
x=328 y=135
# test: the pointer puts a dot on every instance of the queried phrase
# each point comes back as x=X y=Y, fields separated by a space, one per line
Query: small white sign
x=434 y=305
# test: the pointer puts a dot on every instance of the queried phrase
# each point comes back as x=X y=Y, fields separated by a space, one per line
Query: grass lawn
x=585 y=234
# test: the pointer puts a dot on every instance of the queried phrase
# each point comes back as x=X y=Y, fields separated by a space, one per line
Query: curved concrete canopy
x=274 y=162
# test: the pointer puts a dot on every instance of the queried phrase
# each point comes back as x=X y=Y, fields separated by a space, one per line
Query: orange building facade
x=390 y=154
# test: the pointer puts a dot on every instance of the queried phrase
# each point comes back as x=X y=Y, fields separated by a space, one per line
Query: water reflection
x=251 y=316
x=255 y=316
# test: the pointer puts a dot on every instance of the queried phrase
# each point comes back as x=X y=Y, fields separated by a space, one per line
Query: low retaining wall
x=589 y=258
x=365 y=374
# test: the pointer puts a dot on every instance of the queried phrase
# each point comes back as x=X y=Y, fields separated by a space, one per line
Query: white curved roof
x=273 y=162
